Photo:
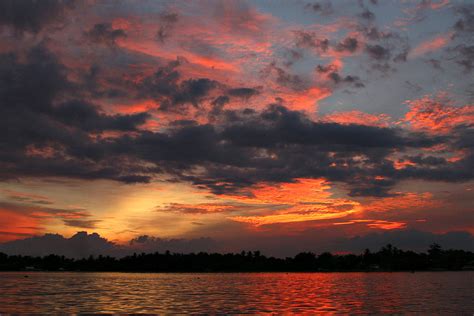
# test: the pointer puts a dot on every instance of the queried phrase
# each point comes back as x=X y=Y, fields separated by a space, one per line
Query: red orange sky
x=317 y=120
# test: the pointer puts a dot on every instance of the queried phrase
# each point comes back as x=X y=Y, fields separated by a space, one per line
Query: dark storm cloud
x=370 y=187
x=378 y=52
x=325 y=69
x=464 y=56
x=46 y=129
x=243 y=92
x=151 y=244
x=304 y=39
x=438 y=169
x=465 y=24
x=409 y=239
x=349 y=44
x=165 y=85
x=218 y=105
x=232 y=160
x=333 y=74
x=292 y=56
x=463 y=52
x=31 y=15
x=167 y=22
x=278 y=124
x=323 y=8
x=284 y=78
x=103 y=33
x=367 y=15
x=248 y=147
x=81 y=223
x=83 y=245
x=353 y=80
x=426 y=160
x=402 y=56
x=371 y=32
x=87 y=117
x=435 y=63
x=34 y=112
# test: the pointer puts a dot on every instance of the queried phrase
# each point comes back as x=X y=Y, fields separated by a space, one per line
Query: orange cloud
x=27 y=197
x=410 y=200
x=135 y=108
x=309 y=215
x=437 y=5
x=379 y=224
x=358 y=117
x=437 y=115
x=306 y=100
x=15 y=225
x=40 y=151
x=204 y=208
x=402 y=164
x=431 y=45
x=387 y=225
x=304 y=200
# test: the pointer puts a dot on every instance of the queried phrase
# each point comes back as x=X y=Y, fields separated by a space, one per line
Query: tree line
x=388 y=258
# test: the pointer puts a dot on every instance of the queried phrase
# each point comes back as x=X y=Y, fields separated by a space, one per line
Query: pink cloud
x=437 y=114
x=431 y=45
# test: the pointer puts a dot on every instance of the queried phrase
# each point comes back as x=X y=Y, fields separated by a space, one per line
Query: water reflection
x=440 y=292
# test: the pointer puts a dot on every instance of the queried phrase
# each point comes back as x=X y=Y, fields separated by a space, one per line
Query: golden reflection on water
x=423 y=292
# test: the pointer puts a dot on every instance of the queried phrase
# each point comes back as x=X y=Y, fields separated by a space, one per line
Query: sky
x=228 y=125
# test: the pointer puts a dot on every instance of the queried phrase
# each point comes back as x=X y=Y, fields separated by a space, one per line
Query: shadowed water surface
x=42 y=292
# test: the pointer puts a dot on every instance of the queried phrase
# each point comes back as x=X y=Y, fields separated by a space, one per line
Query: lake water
x=423 y=292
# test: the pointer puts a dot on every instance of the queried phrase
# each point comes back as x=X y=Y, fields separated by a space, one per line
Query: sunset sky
x=291 y=124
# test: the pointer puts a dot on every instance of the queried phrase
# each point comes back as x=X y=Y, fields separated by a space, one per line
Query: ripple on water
x=43 y=292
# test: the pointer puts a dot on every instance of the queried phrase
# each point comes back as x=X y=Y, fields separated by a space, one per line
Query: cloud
x=378 y=52
x=26 y=217
x=464 y=25
x=32 y=16
x=305 y=39
x=46 y=133
x=435 y=63
x=349 y=44
x=82 y=244
x=57 y=127
x=241 y=17
x=353 y=80
x=151 y=244
x=167 y=22
x=204 y=208
x=358 y=117
x=104 y=33
x=437 y=115
x=367 y=15
x=242 y=148
x=244 y=93
x=409 y=239
x=273 y=145
x=165 y=86
x=284 y=78
x=27 y=197
x=323 y=8
x=79 y=223
x=430 y=45
x=465 y=56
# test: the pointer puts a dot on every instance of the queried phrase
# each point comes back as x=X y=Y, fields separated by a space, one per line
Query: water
x=423 y=292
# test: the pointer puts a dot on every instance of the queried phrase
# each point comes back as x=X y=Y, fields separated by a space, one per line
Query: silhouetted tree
x=388 y=258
